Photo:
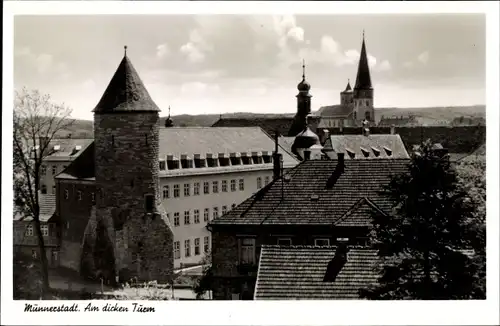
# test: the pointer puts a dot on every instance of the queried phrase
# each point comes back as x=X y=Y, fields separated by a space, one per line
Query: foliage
x=27 y=277
x=36 y=123
x=204 y=283
x=426 y=244
x=147 y=291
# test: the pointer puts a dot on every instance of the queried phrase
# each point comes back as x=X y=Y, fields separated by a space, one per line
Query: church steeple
x=303 y=104
x=363 y=79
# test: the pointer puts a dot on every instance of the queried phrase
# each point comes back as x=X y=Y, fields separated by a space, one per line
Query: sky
x=215 y=64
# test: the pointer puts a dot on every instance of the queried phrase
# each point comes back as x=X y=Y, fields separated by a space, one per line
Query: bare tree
x=36 y=122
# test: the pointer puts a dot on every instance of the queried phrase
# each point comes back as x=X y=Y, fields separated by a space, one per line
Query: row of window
x=30 y=230
x=196 y=215
x=206 y=188
x=43 y=169
x=259 y=182
x=187 y=247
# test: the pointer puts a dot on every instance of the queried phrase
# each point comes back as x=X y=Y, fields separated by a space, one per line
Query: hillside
x=427 y=116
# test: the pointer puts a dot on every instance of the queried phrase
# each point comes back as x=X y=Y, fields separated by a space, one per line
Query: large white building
x=204 y=173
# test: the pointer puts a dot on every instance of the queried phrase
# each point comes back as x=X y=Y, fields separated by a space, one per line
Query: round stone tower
x=126 y=136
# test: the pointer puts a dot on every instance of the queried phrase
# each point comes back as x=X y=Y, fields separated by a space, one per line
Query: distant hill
x=426 y=116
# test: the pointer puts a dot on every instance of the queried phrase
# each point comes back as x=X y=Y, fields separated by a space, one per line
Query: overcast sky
x=216 y=64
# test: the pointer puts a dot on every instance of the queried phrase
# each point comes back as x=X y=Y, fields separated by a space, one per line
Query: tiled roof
x=67 y=148
x=337 y=110
x=47 y=204
x=214 y=140
x=82 y=167
x=366 y=147
x=270 y=125
x=297 y=272
x=316 y=192
x=286 y=143
x=125 y=92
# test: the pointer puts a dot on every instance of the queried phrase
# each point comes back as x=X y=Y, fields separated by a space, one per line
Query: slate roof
x=337 y=110
x=67 y=148
x=371 y=144
x=315 y=193
x=269 y=125
x=82 y=168
x=126 y=92
x=203 y=140
x=297 y=272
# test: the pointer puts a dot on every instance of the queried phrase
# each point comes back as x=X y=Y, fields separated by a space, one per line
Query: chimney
x=307 y=155
x=393 y=130
x=276 y=158
x=340 y=158
x=336 y=264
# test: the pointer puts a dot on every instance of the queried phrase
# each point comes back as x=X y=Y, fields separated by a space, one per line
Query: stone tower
x=303 y=105
x=363 y=90
x=126 y=136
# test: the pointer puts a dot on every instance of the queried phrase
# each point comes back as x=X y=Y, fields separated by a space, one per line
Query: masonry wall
x=126 y=166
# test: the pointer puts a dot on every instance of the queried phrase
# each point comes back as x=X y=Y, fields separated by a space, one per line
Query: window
x=367 y=103
x=45 y=230
x=196 y=188
x=177 y=250
x=224 y=185
x=162 y=165
x=187 y=217
x=342 y=239
x=206 y=188
x=321 y=242
x=215 y=188
x=79 y=195
x=196 y=216
x=206 y=215
x=259 y=182
x=54 y=169
x=224 y=210
x=29 y=230
x=187 y=248
x=266 y=180
x=176 y=191
x=44 y=189
x=66 y=194
x=247 y=251
x=43 y=169
x=187 y=190
x=367 y=115
x=354 y=114
x=166 y=192
x=215 y=213
x=197 y=246
x=149 y=199
x=92 y=196
x=242 y=184
x=206 y=245
x=177 y=219
x=33 y=253
x=233 y=185
x=284 y=242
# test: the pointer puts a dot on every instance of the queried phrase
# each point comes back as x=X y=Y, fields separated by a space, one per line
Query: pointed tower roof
x=126 y=92
x=363 y=79
x=348 y=88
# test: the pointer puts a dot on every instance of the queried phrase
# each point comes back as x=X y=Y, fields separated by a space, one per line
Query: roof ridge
x=314 y=247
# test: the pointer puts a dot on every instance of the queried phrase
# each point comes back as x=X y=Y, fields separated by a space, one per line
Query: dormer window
x=388 y=151
x=376 y=151
x=365 y=152
x=223 y=160
x=162 y=165
x=199 y=162
x=245 y=159
x=235 y=158
x=350 y=152
x=186 y=162
x=322 y=242
x=256 y=158
x=57 y=148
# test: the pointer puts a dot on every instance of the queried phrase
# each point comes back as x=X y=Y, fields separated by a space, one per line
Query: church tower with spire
x=363 y=90
x=303 y=105
x=126 y=140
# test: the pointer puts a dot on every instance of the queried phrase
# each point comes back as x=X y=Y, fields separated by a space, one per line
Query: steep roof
x=337 y=110
x=348 y=88
x=66 y=149
x=81 y=168
x=363 y=79
x=317 y=192
x=126 y=92
x=297 y=272
x=47 y=204
x=366 y=147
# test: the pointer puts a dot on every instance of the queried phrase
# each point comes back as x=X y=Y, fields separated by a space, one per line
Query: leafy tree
x=426 y=245
x=36 y=122
x=204 y=283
